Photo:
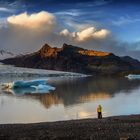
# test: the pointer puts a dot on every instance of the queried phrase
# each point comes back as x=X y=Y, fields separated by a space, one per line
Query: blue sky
x=120 y=17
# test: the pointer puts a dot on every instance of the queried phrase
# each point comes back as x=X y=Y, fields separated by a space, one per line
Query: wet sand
x=111 y=128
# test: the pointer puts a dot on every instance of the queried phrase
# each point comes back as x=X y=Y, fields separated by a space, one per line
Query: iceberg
x=19 y=84
x=133 y=76
x=28 y=87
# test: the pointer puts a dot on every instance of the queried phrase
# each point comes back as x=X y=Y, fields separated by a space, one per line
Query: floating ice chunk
x=43 y=88
x=29 y=87
x=133 y=76
x=30 y=83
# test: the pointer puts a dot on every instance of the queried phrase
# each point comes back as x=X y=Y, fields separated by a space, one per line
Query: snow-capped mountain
x=5 y=54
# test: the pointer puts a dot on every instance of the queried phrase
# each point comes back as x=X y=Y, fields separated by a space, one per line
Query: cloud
x=66 y=33
x=11 y=7
x=78 y=26
x=38 y=20
x=125 y=20
x=72 y=12
x=3 y=9
x=86 y=34
x=101 y=40
x=28 y=32
x=91 y=33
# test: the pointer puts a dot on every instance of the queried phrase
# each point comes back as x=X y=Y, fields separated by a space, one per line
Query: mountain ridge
x=75 y=59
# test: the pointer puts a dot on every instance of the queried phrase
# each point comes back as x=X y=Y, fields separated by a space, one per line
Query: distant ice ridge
x=6 y=54
x=28 y=87
x=11 y=71
x=133 y=76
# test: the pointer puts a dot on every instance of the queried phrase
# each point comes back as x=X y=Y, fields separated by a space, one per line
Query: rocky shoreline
x=110 y=128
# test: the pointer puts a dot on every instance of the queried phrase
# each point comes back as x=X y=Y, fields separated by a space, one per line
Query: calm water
x=74 y=98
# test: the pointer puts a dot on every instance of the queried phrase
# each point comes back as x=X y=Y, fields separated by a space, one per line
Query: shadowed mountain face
x=75 y=59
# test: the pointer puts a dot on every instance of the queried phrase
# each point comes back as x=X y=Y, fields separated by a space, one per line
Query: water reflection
x=81 y=90
x=73 y=91
x=50 y=99
x=73 y=99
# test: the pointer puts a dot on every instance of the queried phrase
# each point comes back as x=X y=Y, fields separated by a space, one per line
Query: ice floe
x=28 y=87
x=133 y=76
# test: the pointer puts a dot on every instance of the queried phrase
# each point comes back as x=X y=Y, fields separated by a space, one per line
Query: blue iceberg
x=19 y=84
x=29 y=87
x=133 y=76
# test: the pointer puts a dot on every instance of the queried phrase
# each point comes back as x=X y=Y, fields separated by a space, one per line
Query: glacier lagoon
x=75 y=96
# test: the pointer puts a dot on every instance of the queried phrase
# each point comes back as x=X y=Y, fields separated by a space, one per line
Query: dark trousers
x=99 y=115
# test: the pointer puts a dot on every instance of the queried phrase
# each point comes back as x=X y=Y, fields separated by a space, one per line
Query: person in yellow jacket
x=99 y=111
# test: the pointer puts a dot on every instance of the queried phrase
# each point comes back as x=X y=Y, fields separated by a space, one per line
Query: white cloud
x=37 y=20
x=65 y=32
x=92 y=33
x=73 y=12
x=125 y=20
x=86 y=34
x=28 y=32
x=103 y=33
x=3 y=9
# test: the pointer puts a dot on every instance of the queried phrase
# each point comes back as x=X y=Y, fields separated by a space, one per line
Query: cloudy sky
x=106 y=25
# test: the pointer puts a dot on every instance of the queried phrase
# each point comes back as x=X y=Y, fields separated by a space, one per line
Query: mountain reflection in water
x=72 y=91
x=78 y=98
x=83 y=89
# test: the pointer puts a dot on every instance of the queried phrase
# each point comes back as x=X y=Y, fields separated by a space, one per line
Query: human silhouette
x=99 y=111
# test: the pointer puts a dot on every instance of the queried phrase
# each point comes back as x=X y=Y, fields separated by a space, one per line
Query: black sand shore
x=111 y=128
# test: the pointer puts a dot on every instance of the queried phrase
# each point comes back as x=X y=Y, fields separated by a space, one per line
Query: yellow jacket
x=99 y=109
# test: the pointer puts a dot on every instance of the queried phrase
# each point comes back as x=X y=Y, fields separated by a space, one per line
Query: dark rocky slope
x=75 y=59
